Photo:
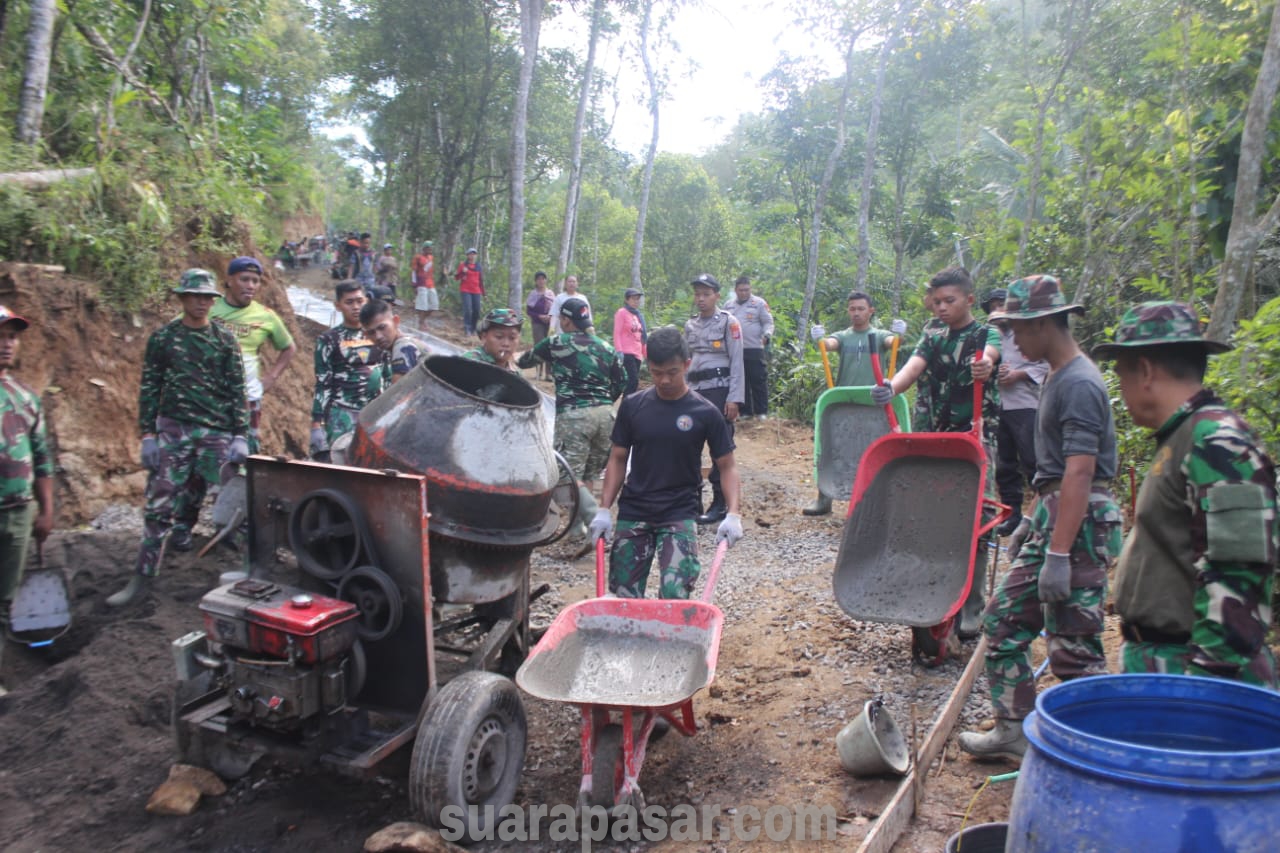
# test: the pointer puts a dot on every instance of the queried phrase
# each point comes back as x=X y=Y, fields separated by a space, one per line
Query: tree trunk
x=575 y=156
x=869 y=166
x=530 y=24
x=820 y=201
x=643 y=209
x=1247 y=230
x=35 y=72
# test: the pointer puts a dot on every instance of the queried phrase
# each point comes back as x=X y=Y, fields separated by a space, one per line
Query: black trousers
x=717 y=397
x=1015 y=454
x=632 y=365
x=756 y=372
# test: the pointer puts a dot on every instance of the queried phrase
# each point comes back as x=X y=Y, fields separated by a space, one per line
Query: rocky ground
x=86 y=736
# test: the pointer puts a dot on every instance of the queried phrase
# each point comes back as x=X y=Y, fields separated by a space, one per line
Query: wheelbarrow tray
x=846 y=422
x=625 y=652
x=906 y=555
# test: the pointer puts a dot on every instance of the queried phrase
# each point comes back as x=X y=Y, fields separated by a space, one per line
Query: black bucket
x=982 y=838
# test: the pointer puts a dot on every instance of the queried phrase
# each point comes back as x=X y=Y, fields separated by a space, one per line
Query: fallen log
x=41 y=179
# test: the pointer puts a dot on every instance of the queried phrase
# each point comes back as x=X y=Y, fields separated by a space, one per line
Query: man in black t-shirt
x=663 y=429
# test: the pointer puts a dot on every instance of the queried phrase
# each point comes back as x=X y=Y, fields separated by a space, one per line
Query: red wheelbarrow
x=915 y=517
x=623 y=660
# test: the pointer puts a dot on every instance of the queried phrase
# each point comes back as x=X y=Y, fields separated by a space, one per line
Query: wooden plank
x=893 y=821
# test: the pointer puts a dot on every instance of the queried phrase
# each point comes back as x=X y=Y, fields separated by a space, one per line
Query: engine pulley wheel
x=377 y=598
x=327 y=534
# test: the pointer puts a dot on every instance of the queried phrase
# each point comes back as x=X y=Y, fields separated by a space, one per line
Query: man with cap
x=425 y=298
x=752 y=314
x=1193 y=583
x=1060 y=553
x=1020 y=380
x=26 y=486
x=344 y=358
x=499 y=332
x=715 y=371
x=397 y=352
x=630 y=336
x=471 y=286
x=386 y=270
x=254 y=325
x=192 y=414
x=589 y=376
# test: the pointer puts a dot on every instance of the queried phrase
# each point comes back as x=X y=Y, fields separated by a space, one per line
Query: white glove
x=730 y=530
x=898 y=327
x=817 y=332
x=881 y=394
x=601 y=526
x=1018 y=538
x=239 y=450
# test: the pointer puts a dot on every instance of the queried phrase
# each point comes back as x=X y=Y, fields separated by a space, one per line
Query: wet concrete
x=905 y=553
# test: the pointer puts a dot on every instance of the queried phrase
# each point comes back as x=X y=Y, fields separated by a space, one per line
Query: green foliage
x=797 y=381
x=1245 y=376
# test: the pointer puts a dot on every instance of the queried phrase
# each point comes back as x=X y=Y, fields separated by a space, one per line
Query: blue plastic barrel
x=1150 y=763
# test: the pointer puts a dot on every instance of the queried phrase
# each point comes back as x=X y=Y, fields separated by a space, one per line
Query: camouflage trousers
x=190 y=457
x=15 y=539
x=582 y=438
x=339 y=421
x=1175 y=659
x=1015 y=617
x=634 y=545
x=255 y=426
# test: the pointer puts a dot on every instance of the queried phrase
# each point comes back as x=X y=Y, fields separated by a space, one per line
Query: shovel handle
x=893 y=355
x=600 y=567
x=826 y=362
x=709 y=591
x=977 y=400
x=879 y=375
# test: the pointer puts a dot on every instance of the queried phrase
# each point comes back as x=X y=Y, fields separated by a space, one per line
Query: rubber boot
x=970 y=622
x=1004 y=741
x=1011 y=523
x=718 y=509
x=820 y=506
x=137 y=585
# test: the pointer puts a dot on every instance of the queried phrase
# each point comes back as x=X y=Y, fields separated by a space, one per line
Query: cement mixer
x=387 y=600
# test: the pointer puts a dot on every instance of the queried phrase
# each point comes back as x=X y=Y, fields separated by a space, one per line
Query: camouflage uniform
x=636 y=543
x=193 y=399
x=1193 y=584
x=344 y=359
x=1015 y=616
x=24 y=456
x=589 y=376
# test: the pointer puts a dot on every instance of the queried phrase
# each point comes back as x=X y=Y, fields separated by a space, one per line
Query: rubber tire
x=607 y=756
x=306 y=560
x=474 y=706
x=387 y=591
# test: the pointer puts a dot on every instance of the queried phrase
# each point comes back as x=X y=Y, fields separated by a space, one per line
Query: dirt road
x=85 y=732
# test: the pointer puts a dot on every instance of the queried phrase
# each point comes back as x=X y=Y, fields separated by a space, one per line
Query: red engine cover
x=267 y=618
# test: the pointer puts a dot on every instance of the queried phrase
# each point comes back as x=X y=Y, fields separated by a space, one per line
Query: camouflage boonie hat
x=197 y=281
x=1153 y=323
x=499 y=317
x=1032 y=297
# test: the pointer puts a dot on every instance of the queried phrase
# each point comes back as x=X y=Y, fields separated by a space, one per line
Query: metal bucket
x=1149 y=762
x=479 y=436
x=872 y=744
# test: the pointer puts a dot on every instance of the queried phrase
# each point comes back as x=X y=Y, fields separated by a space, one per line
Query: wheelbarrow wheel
x=607 y=766
x=469 y=751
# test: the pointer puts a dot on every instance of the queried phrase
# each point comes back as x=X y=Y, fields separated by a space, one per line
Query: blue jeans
x=471 y=310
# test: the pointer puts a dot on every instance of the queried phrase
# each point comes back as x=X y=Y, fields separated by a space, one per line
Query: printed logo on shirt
x=684 y=423
x=1162 y=458
x=717 y=344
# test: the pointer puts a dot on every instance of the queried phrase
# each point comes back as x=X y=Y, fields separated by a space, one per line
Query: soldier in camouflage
x=192 y=414
x=26 y=468
x=952 y=354
x=397 y=352
x=499 y=333
x=1193 y=584
x=1059 y=554
x=589 y=376
x=716 y=370
x=344 y=359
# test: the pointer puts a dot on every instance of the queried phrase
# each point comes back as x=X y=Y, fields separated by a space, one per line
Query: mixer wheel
x=327 y=534
x=469 y=751
x=378 y=599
